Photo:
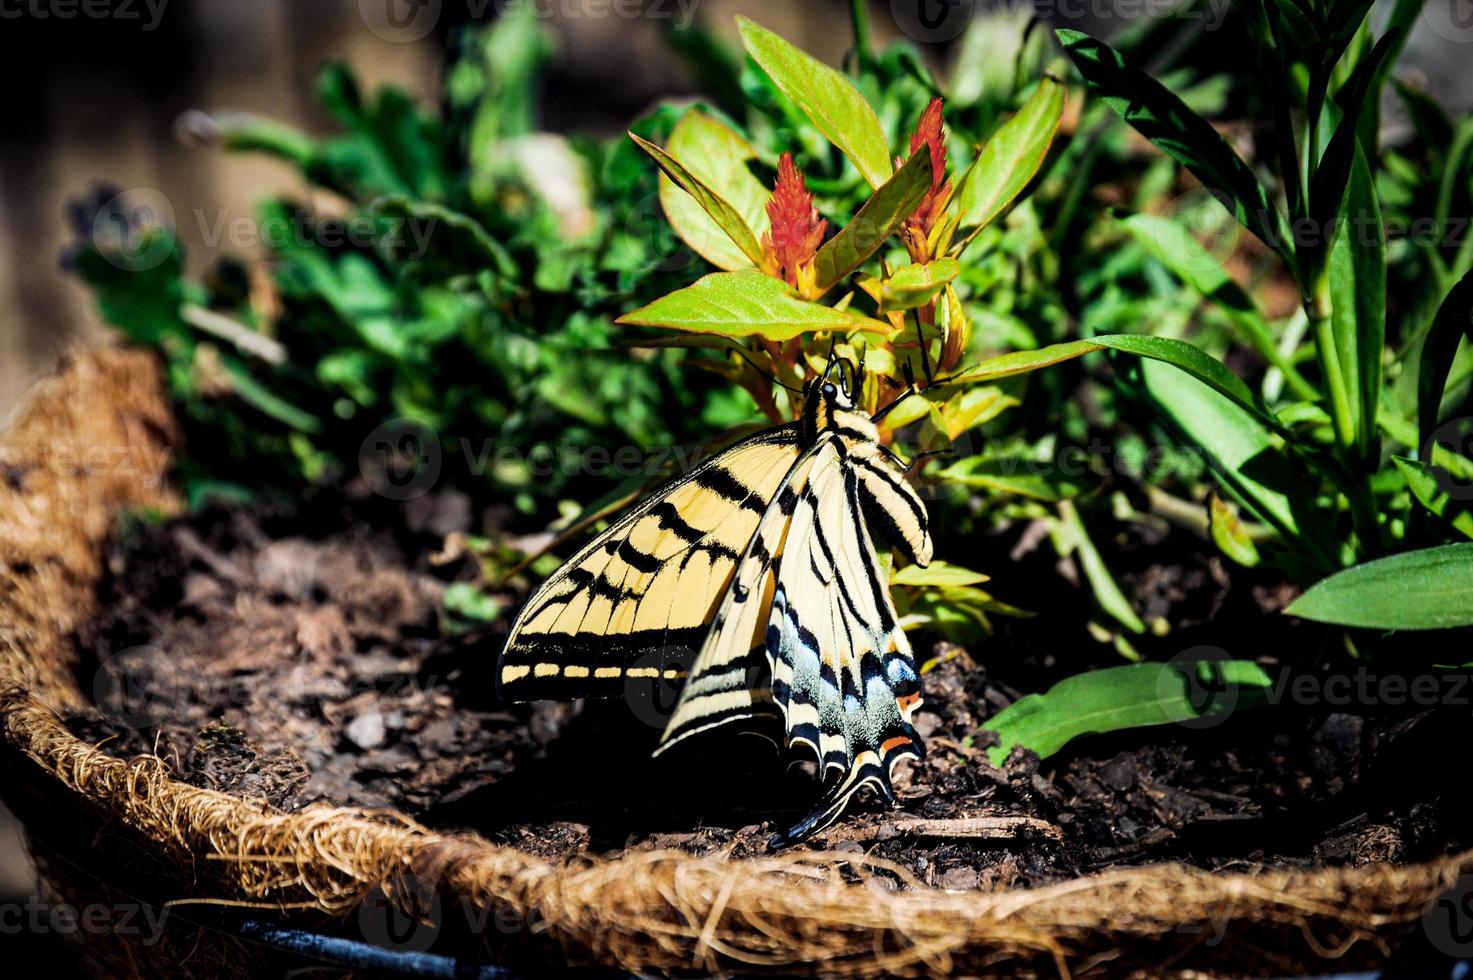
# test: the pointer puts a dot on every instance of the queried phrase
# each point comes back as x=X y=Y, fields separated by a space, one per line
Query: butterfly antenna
x=921 y=457
x=758 y=368
x=829 y=366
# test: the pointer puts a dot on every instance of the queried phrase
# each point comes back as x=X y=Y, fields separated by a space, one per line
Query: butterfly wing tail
x=871 y=768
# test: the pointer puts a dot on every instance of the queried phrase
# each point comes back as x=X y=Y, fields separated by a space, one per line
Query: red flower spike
x=930 y=134
x=797 y=230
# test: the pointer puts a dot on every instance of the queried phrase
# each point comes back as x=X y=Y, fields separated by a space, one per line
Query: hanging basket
x=82 y=451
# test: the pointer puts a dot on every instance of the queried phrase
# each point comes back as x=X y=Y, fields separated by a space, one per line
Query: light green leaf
x=938 y=573
x=1010 y=159
x=879 y=218
x=826 y=97
x=716 y=155
x=1429 y=484
x=744 y=304
x=1021 y=362
x=1131 y=696
x=1419 y=590
x=915 y=285
x=716 y=207
x=1229 y=534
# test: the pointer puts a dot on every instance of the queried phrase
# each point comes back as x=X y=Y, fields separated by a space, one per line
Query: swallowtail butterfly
x=753 y=578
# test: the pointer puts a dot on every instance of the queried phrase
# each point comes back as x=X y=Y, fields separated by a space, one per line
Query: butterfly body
x=753 y=579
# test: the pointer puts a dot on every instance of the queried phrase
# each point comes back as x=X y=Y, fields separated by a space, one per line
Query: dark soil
x=304 y=656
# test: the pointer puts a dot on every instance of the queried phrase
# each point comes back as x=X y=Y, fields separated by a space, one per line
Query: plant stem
x=1320 y=312
x=859 y=17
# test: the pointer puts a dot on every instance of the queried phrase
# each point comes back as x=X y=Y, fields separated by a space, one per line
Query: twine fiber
x=652 y=912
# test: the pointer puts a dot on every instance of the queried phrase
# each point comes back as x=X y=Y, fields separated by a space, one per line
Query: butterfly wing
x=729 y=680
x=636 y=602
x=843 y=674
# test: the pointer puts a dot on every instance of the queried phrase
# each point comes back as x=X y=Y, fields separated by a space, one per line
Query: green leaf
x=466 y=234
x=266 y=401
x=879 y=218
x=1418 y=590
x=938 y=573
x=1429 y=484
x=744 y=304
x=1021 y=362
x=467 y=601
x=1327 y=188
x=914 y=285
x=1164 y=119
x=1074 y=537
x=718 y=157
x=826 y=97
x=1010 y=159
x=720 y=211
x=1174 y=247
x=1229 y=534
x=1358 y=292
x=1454 y=321
x=1177 y=353
x=1014 y=474
x=1131 y=696
x=1236 y=444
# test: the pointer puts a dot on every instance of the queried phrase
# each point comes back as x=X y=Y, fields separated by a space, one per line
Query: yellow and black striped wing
x=638 y=600
x=730 y=679
x=843 y=675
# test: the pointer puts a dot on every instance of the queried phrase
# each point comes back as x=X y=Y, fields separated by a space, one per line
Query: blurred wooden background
x=94 y=102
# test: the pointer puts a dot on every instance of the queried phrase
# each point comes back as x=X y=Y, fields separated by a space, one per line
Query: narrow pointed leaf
x=1011 y=158
x=744 y=304
x=826 y=97
x=717 y=156
x=1419 y=590
x=718 y=208
x=1430 y=485
x=1454 y=321
x=1358 y=292
x=879 y=218
x=1163 y=118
